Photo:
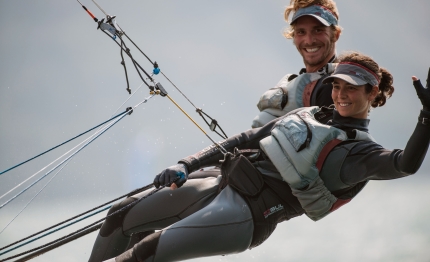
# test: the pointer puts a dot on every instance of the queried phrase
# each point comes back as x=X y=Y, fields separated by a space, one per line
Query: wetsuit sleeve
x=370 y=161
x=211 y=155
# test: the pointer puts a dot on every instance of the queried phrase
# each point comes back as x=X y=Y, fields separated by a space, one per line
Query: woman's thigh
x=167 y=206
x=224 y=226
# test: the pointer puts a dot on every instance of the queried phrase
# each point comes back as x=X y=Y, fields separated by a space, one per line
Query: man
x=314 y=31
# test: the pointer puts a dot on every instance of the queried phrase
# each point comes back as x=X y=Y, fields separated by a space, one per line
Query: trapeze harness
x=290 y=93
x=298 y=146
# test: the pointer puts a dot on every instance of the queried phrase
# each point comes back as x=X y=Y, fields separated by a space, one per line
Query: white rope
x=28 y=203
x=91 y=139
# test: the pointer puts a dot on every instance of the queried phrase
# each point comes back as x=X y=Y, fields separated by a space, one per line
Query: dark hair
x=386 y=88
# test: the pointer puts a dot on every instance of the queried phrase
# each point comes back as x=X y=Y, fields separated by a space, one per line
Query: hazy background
x=59 y=76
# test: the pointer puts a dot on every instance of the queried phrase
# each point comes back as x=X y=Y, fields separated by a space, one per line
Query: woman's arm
x=369 y=161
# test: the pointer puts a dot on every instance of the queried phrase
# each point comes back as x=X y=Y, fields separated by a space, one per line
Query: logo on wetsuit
x=273 y=210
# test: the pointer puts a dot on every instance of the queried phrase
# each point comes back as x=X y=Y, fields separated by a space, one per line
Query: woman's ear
x=373 y=93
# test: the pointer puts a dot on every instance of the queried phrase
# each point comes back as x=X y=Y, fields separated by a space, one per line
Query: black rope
x=199 y=110
x=125 y=68
x=79 y=232
x=136 y=191
x=136 y=46
x=59 y=243
x=119 y=35
x=127 y=51
x=62 y=143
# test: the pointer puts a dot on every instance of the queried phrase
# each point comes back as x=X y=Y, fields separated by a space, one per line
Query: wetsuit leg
x=155 y=212
x=224 y=226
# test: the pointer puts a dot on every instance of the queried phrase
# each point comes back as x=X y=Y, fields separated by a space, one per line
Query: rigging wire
x=134 y=192
x=160 y=91
x=50 y=171
x=116 y=31
x=157 y=89
x=29 y=202
x=101 y=9
x=198 y=110
x=55 y=230
x=70 y=237
x=65 y=142
x=96 y=135
x=54 y=244
x=91 y=139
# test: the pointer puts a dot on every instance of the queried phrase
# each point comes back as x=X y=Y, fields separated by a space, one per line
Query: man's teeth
x=312 y=50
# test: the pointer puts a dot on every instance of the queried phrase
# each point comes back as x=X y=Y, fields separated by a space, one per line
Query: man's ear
x=337 y=33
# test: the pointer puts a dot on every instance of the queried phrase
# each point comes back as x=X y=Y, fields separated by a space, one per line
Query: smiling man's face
x=314 y=41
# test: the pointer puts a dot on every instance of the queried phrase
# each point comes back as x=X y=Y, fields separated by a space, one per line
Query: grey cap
x=354 y=74
x=324 y=15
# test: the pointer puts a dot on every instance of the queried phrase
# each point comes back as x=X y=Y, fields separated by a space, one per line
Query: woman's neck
x=348 y=123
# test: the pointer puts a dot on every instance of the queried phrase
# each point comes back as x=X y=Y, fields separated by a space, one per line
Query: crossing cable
x=81 y=232
x=47 y=166
x=31 y=200
x=213 y=123
x=116 y=31
x=134 y=192
x=55 y=230
x=159 y=90
x=62 y=162
x=127 y=112
x=65 y=142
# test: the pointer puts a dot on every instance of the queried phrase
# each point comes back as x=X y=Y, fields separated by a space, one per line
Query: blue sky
x=59 y=76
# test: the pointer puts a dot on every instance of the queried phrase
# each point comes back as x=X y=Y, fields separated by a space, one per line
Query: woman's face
x=351 y=100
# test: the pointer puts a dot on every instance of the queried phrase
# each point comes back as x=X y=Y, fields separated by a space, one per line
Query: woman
x=306 y=168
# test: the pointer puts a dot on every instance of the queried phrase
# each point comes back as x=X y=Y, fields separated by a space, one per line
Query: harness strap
x=325 y=151
x=321 y=158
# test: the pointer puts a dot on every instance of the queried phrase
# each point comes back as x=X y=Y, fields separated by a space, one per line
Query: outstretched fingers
x=423 y=92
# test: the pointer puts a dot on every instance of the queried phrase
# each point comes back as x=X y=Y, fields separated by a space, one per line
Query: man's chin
x=314 y=62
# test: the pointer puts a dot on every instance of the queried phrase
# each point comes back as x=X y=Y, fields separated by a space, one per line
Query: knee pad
x=115 y=221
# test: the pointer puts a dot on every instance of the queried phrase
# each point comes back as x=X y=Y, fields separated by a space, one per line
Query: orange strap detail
x=339 y=203
x=307 y=92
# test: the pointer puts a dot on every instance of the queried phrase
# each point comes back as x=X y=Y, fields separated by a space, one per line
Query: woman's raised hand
x=423 y=92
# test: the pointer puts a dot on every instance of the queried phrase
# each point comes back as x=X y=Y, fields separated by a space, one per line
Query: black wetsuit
x=203 y=224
